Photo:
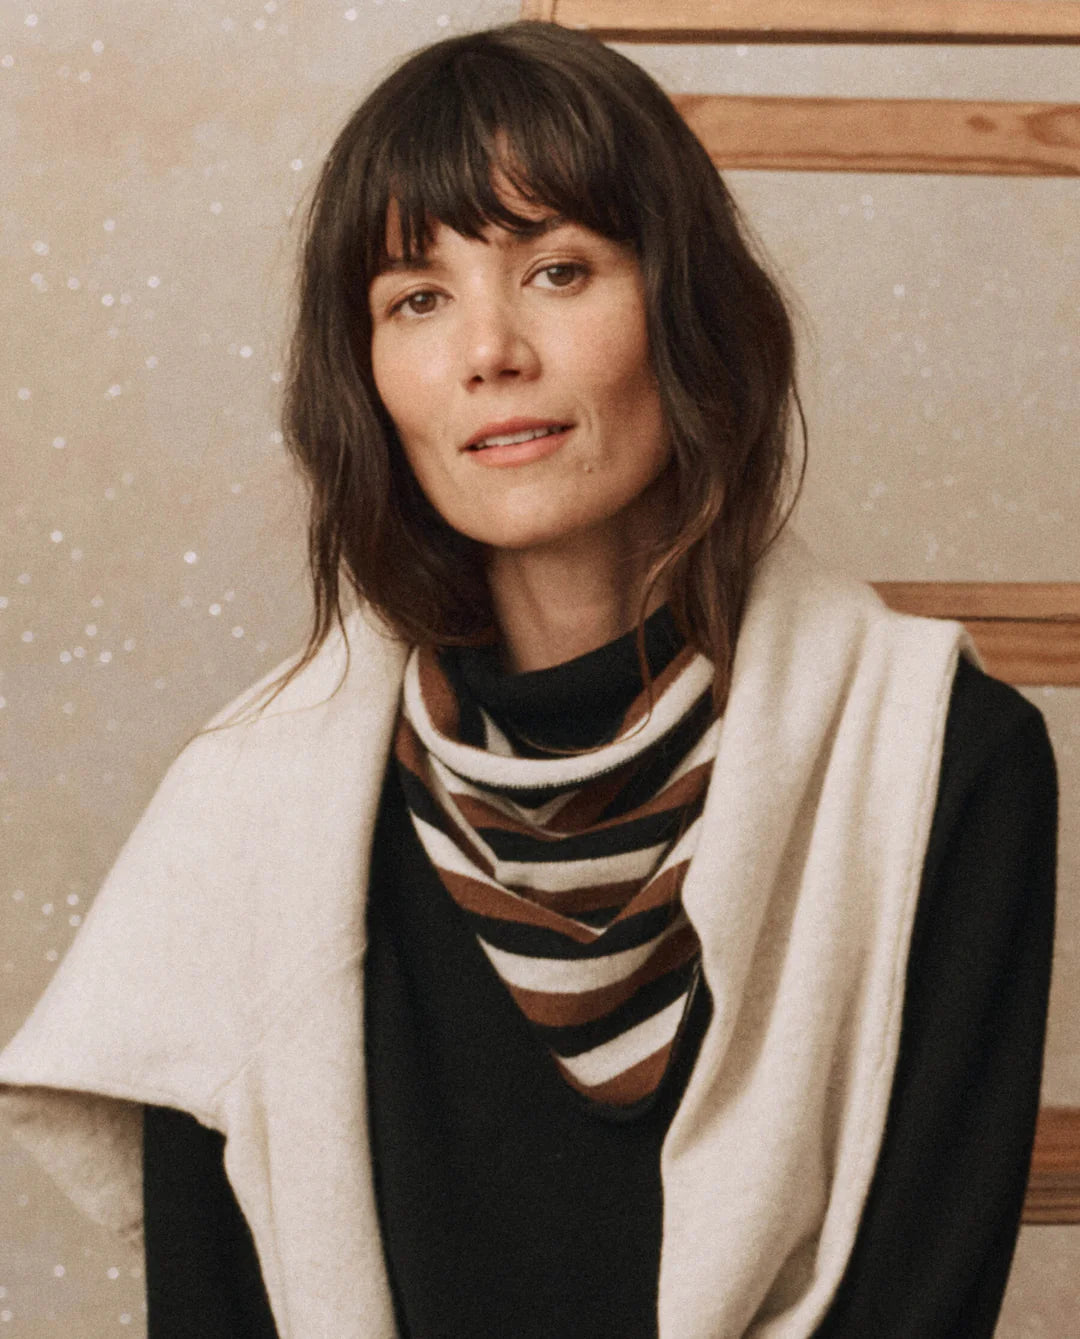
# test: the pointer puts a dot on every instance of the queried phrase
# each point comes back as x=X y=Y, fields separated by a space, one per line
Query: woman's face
x=484 y=342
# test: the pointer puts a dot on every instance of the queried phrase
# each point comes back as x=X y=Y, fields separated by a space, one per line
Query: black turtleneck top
x=511 y=1207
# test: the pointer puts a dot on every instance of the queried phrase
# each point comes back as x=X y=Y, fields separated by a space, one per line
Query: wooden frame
x=1039 y=139
x=1026 y=632
x=999 y=21
x=1053 y=1192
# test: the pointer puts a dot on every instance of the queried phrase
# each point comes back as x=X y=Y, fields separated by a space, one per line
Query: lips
x=513 y=427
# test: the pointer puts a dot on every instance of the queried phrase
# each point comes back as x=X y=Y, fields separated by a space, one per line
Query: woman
x=623 y=927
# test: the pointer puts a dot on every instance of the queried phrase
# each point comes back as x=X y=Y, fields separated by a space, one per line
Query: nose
x=496 y=343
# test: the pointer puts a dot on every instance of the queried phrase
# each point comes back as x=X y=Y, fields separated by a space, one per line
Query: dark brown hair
x=575 y=127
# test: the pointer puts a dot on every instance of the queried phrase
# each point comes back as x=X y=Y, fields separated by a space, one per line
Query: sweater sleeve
x=938 y=1231
x=202 y=1274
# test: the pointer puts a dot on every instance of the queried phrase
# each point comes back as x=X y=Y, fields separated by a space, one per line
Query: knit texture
x=569 y=868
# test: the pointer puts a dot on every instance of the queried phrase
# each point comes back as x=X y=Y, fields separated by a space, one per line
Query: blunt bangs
x=487 y=118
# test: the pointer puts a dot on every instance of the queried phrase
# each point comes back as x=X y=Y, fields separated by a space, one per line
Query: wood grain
x=1027 y=633
x=996 y=21
x=1039 y=139
x=1053 y=1193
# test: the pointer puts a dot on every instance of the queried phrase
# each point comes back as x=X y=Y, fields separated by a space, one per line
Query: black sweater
x=508 y=1207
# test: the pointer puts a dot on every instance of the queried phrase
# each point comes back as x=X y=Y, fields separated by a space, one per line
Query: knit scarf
x=569 y=867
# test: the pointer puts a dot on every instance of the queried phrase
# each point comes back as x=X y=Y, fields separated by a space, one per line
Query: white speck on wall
x=24 y=393
x=40 y=248
x=97 y=46
x=59 y=443
x=297 y=164
x=31 y=20
x=215 y=207
x=191 y=557
x=57 y=536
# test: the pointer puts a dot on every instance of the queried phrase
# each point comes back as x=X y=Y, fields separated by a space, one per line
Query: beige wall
x=151 y=557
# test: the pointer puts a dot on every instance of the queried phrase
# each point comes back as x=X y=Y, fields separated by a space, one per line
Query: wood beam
x=1053 y=1193
x=1040 y=139
x=999 y=21
x=1027 y=633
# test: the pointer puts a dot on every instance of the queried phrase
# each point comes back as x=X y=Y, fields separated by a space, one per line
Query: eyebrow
x=529 y=233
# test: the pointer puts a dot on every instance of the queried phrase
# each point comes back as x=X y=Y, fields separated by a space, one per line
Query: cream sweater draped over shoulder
x=220 y=969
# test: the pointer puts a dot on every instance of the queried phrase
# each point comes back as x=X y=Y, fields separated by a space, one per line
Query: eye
x=420 y=303
x=562 y=275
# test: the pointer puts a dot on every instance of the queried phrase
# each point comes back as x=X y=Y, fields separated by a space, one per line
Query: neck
x=555 y=604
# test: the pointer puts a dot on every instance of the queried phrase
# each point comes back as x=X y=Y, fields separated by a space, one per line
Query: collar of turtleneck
x=578 y=704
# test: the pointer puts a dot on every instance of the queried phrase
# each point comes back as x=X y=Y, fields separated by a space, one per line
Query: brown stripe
x=639 y=708
x=628 y=1087
x=589 y=802
x=438 y=696
x=551 y=1009
x=578 y=901
x=409 y=750
x=484 y=900
x=682 y=792
x=481 y=813
x=661 y=890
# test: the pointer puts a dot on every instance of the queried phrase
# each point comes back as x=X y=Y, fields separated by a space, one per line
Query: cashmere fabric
x=246 y=879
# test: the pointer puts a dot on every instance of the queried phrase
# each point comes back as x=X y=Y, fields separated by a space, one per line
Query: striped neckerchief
x=561 y=816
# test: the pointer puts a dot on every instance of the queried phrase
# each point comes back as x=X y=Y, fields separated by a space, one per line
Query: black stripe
x=662 y=759
x=636 y=834
x=537 y=941
x=421 y=802
x=643 y=1004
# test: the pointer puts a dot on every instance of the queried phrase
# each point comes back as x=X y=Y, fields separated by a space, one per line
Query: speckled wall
x=151 y=561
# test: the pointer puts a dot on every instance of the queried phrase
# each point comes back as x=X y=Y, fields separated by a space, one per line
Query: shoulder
x=993 y=734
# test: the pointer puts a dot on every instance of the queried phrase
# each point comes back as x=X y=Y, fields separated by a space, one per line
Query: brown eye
x=562 y=275
x=419 y=303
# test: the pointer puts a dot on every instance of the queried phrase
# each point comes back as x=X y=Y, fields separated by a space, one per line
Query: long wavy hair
x=574 y=127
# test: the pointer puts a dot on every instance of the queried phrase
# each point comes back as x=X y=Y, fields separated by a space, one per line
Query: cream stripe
x=560 y=876
x=607 y=1061
x=450 y=784
x=554 y=877
x=491 y=770
x=444 y=854
x=562 y=976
